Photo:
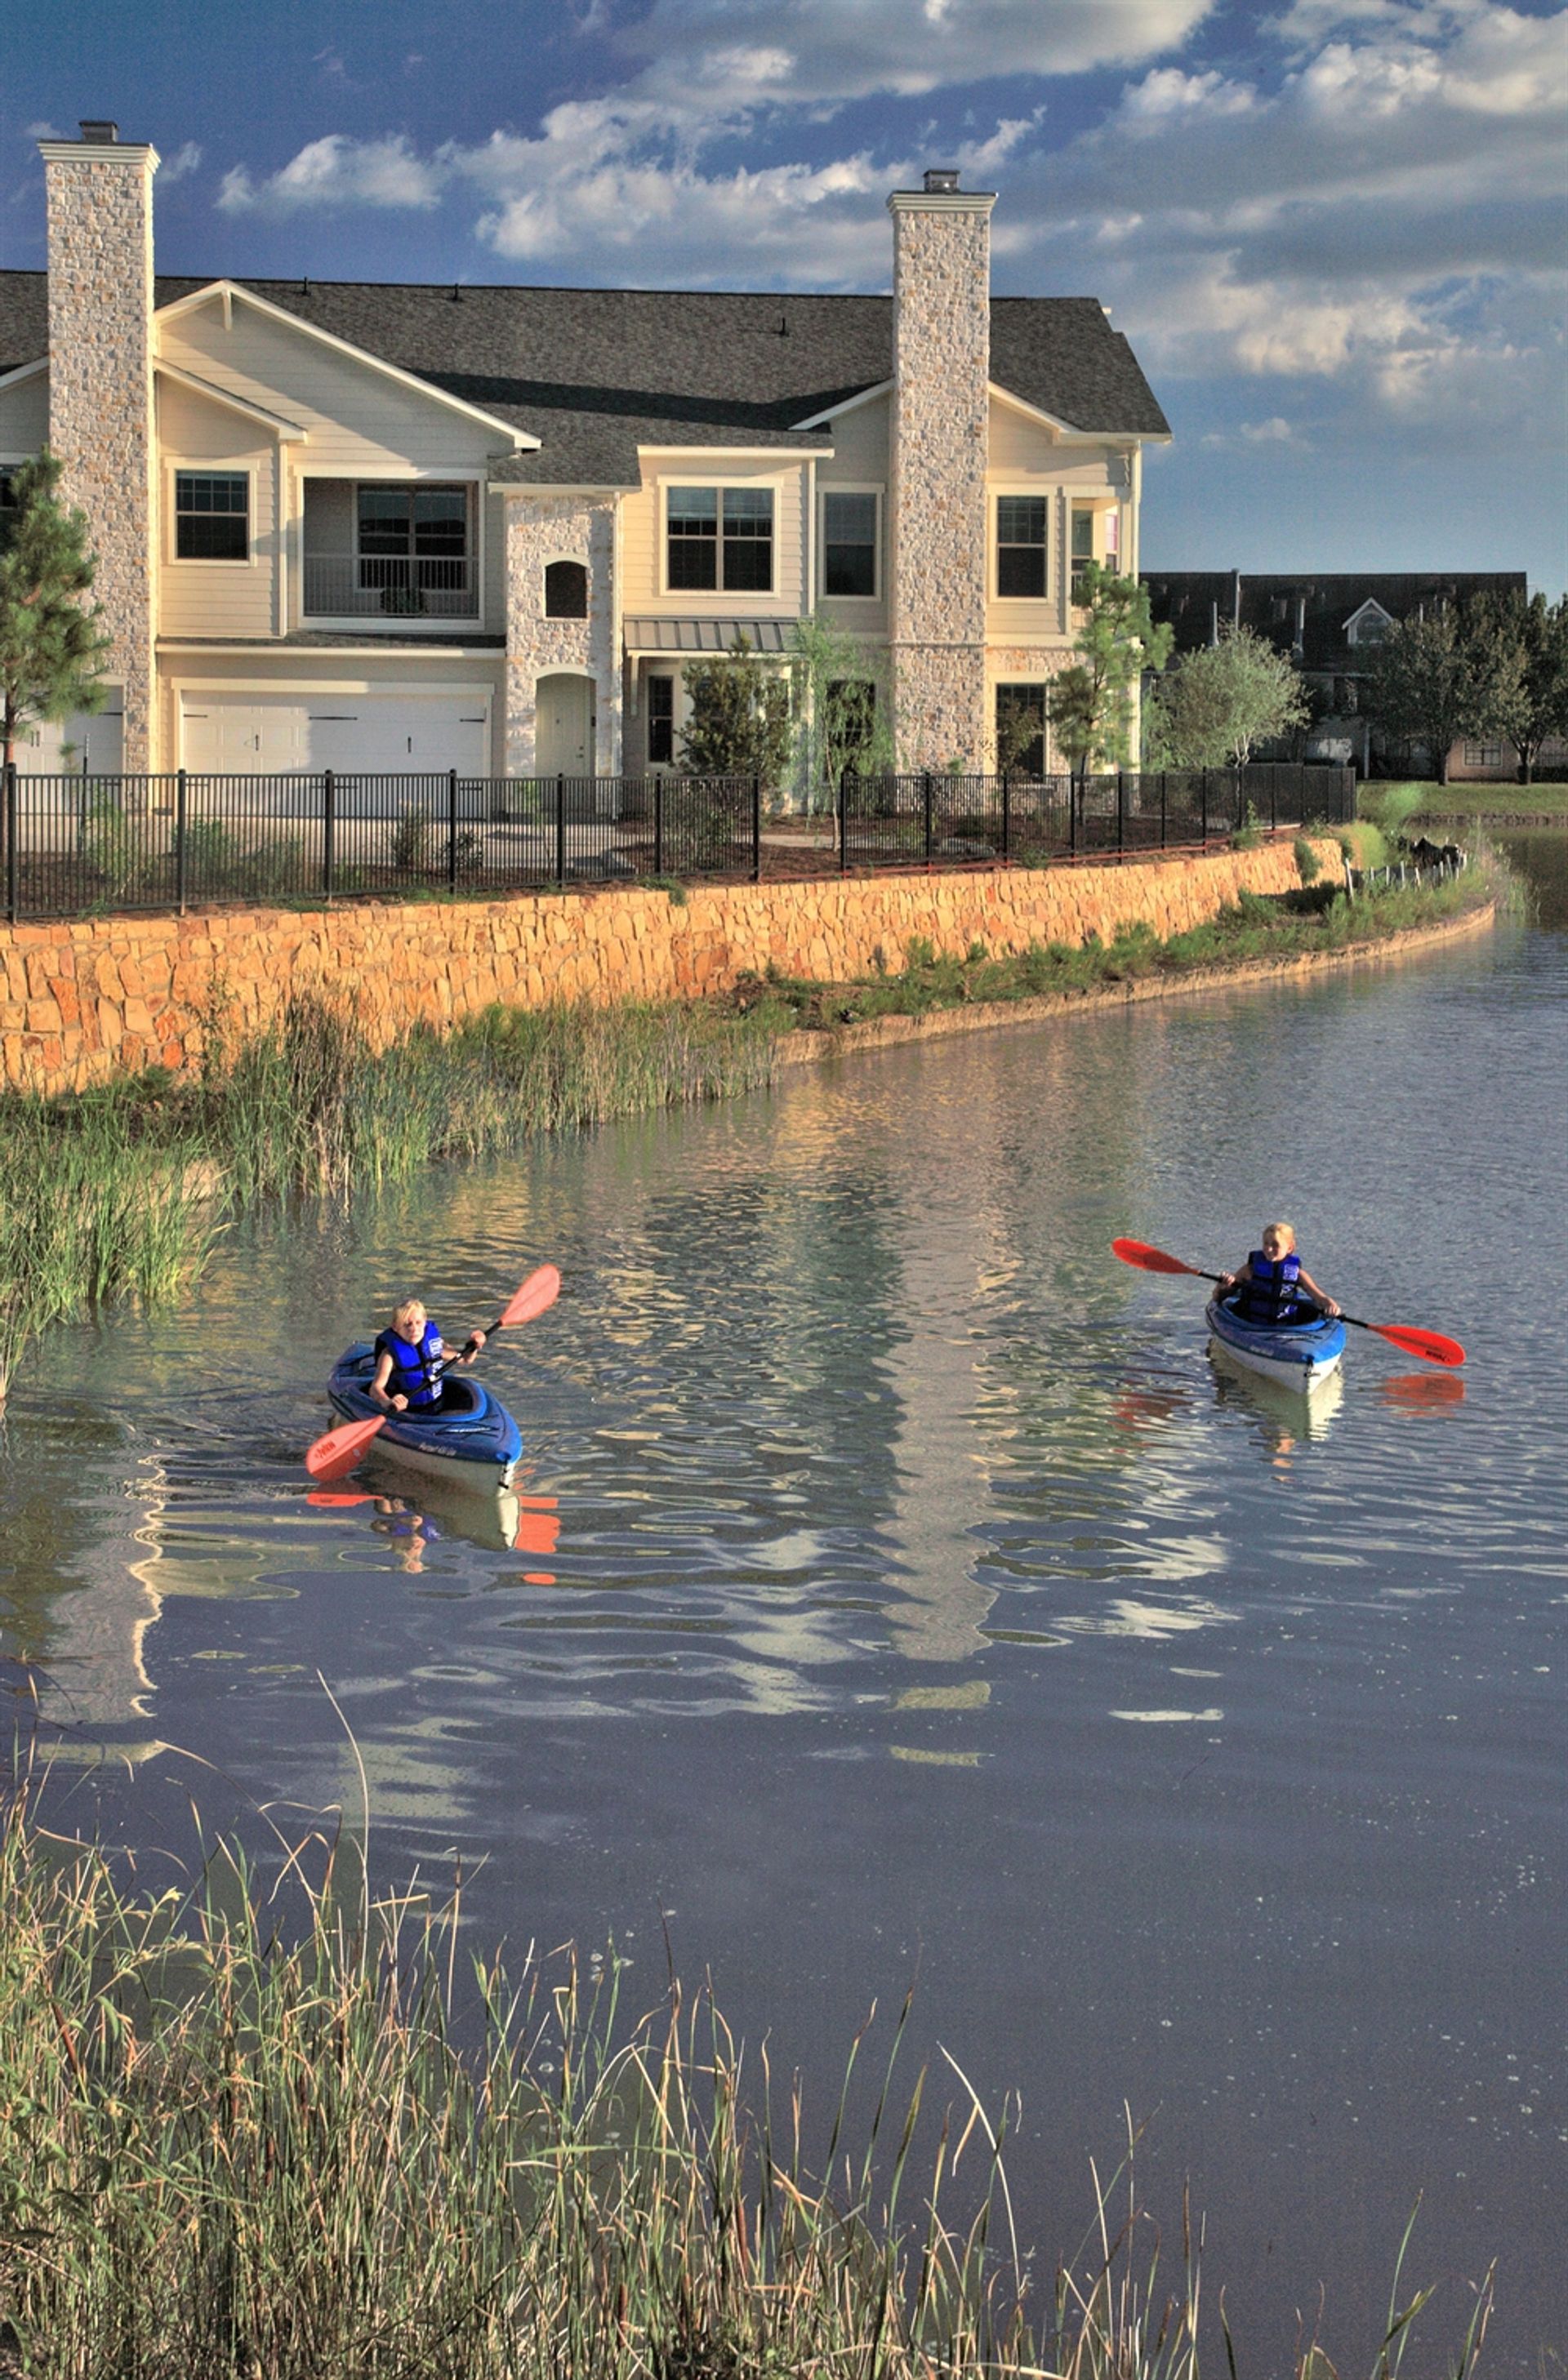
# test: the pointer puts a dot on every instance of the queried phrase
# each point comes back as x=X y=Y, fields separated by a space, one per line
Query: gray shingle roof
x=595 y=373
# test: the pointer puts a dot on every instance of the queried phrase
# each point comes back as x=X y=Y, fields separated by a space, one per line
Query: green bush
x=1309 y=867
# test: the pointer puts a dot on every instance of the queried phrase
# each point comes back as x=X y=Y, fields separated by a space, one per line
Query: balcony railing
x=412 y=586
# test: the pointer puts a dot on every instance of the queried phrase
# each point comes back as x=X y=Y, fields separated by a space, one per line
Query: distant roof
x=1193 y=601
x=596 y=373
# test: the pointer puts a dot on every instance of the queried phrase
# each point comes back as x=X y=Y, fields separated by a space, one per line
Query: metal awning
x=706 y=635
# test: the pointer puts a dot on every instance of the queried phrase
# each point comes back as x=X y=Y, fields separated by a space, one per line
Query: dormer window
x=1370 y=626
x=565 y=590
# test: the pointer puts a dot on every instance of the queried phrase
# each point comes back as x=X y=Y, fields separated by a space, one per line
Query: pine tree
x=51 y=649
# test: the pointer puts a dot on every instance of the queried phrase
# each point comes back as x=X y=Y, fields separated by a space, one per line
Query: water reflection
x=1287 y=1419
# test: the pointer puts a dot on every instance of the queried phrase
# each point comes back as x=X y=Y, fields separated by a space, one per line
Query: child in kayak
x=410 y=1359
x=1271 y=1285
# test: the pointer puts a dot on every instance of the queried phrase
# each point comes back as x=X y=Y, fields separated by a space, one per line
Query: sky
x=1333 y=230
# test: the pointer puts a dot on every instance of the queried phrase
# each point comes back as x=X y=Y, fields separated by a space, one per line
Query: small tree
x=1220 y=701
x=1525 y=685
x=1434 y=681
x=1093 y=702
x=841 y=709
x=740 y=723
x=52 y=649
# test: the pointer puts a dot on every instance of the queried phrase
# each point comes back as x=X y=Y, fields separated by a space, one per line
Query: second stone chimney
x=937 y=497
x=99 y=200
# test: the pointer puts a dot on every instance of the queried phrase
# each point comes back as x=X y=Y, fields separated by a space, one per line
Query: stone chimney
x=936 y=499
x=99 y=200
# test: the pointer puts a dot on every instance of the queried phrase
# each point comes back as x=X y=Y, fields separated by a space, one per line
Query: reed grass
x=290 y=2132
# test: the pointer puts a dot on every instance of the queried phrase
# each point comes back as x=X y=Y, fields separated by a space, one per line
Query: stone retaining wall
x=83 y=1002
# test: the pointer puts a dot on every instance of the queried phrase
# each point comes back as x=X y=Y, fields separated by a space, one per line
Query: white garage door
x=390 y=733
x=88 y=742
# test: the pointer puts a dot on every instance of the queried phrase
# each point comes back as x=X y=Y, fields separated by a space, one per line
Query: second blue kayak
x=1297 y=1354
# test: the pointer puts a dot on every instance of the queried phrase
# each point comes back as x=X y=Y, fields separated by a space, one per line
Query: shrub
x=1309 y=867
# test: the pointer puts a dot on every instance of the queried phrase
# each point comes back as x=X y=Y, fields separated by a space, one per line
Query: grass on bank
x=1424 y=799
x=293 y=2135
x=108 y=1196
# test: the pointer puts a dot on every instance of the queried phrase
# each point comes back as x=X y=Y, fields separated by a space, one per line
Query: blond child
x=1273 y=1282
x=411 y=1359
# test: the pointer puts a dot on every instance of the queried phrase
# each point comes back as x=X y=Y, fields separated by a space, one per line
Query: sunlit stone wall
x=107 y=996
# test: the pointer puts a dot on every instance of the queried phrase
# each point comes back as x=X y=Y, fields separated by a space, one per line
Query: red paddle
x=334 y=1456
x=1428 y=1343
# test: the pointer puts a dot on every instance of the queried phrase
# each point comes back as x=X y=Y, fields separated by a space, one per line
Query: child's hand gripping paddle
x=334 y=1456
x=1430 y=1345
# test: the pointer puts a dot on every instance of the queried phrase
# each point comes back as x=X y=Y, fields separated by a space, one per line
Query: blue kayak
x=472 y=1442
x=1297 y=1353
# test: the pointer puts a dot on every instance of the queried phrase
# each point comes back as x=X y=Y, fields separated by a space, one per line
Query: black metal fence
x=77 y=845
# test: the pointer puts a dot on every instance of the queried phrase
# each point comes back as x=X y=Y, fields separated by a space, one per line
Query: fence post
x=561 y=829
x=11 y=841
x=1121 y=813
x=1072 y=816
x=757 y=830
x=843 y=822
x=1006 y=817
x=659 y=824
x=1273 y=796
x=926 y=788
x=1203 y=805
x=452 y=830
x=1164 y=837
x=329 y=830
x=182 y=799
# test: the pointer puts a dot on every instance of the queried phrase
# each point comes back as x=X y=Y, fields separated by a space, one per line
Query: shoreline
x=811 y=1045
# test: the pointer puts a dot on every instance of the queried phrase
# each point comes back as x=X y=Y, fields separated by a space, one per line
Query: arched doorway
x=564 y=708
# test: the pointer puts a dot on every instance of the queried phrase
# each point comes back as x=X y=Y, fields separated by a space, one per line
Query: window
x=722 y=538
x=660 y=722
x=565 y=590
x=849 y=544
x=9 y=505
x=1483 y=756
x=413 y=542
x=212 y=517
x=1020 y=546
x=1083 y=546
x=1020 y=729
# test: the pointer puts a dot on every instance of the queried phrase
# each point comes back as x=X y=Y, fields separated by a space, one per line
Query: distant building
x=1331 y=625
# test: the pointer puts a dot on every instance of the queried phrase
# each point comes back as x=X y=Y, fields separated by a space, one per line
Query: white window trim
x=718 y=598
x=244 y=468
x=1363 y=615
x=995 y=490
x=876 y=488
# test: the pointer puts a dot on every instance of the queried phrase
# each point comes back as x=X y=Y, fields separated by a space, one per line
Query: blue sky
x=1333 y=229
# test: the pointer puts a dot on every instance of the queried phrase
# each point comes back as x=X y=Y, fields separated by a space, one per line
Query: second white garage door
x=386 y=733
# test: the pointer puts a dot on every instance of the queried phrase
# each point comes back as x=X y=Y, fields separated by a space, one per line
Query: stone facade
x=84 y=1002
x=542 y=530
x=101 y=421
x=937 y=495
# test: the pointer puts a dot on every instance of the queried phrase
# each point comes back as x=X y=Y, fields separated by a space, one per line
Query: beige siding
x=217 y=599
x=357 y=418
x=642 y=530
x=24 y=416
x=859 y=459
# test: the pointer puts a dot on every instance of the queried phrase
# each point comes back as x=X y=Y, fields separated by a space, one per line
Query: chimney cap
x=941 y=177
x=100 y=131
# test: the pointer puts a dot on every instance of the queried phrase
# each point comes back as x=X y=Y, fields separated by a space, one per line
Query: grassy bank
x=293 y=2135
x=1426 y=800
x=119 y=1194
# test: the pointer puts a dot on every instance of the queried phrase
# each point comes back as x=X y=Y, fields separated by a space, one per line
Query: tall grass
x=293 y=2135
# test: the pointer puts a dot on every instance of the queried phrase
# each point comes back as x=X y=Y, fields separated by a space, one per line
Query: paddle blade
x=1147 y=1259
x=333 y=1457
x=541 y=1289
x=1429 y=1345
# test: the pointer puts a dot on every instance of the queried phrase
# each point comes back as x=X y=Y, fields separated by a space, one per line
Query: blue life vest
x=1271 y=1295
x=416 y=1370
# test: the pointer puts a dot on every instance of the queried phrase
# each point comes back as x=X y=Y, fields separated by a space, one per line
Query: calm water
x=901 y=1594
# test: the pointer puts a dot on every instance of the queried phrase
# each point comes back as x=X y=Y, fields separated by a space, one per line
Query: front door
x=563 y=742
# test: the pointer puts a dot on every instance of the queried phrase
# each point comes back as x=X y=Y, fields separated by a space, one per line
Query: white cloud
x=337 y=172
x=184 y=161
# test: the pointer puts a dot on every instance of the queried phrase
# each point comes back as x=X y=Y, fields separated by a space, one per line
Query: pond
x=900 y=1595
